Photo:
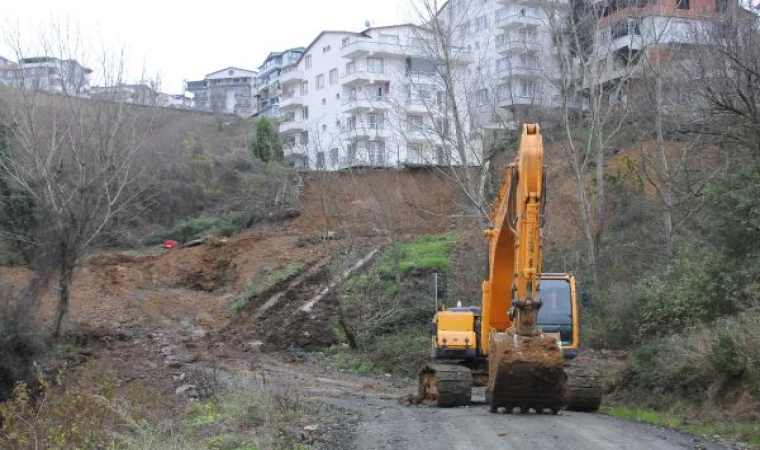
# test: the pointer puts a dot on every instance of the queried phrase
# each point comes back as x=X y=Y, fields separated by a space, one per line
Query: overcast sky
x=186 y=40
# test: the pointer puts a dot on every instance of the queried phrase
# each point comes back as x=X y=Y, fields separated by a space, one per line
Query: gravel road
x=376 y=420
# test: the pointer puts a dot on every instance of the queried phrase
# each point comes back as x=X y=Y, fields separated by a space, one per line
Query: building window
x=481 y=23
x=440 y=155
x=414 y=123
x=529 y=88
x=481 y=96
x=721 y=6
x=351 y=152
x=320 y=160
x=345 y=41
x=326 y=49
x=305 y=113
x=307 y=62
x=304 y=88
x=414 y=153
x=305 y=138
x=388 y=39
x=682 y=4
x=351 y=123
x=320 y=81
x=350 y=67
x=333 y=157
x=375 y=65
x=375 y=121
x=333 y=76
x=376 y=152
x=442 y=127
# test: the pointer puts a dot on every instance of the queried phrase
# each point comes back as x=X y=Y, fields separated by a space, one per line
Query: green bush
x=19 y=343
x=192 y=229
x=427 y=253
x=707 y=358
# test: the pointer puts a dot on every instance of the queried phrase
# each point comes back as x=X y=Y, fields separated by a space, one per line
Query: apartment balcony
x=368 y=132
x=627 y=42
x=293 y=127
x=291 y=102
x=518 y=47
x=520 y=100
x=415 y=106
x=519 y=72
x=362 y=48
x=363 y=76
x=517 y=22
x=362 y=104
x=295 y=150
x=292 y=77
x=414 y=134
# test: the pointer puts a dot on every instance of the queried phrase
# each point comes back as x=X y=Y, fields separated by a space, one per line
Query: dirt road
x=378 y=421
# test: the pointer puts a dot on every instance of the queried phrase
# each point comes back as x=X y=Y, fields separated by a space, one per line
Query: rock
x=180 y=377
x=187 y=389
x=310 y=427
x=254 y=346
x=173 y=364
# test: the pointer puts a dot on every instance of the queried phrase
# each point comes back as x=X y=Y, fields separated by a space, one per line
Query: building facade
x=632 y=36
x=48 y=74
x=135 y=94
x=226 y=91
x=268 y=86
x=514 y=60
x=369 y=99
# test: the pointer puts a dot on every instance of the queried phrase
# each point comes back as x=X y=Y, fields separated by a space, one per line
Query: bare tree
x=79 y=159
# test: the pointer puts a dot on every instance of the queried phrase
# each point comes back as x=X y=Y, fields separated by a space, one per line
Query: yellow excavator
x=517 y=342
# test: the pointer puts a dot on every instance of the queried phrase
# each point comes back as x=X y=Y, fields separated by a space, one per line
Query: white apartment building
x=268 y=87
x=369 y=99
x=177 y=101
x=135 y=94
x=515 y=62
x=48 y=74
x=7 y=71
x=226 y=91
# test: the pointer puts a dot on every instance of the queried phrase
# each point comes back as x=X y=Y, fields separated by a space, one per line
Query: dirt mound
x=527 y=372
x=369 y=202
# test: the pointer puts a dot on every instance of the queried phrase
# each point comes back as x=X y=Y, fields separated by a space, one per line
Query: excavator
x=520 y=343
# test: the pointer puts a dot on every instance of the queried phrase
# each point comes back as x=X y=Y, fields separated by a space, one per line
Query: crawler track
x=445 y=385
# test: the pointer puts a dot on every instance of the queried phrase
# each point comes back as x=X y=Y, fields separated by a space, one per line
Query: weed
x=253 y=290
x=748 y=432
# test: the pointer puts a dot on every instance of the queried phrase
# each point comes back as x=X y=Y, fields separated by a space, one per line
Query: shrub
x=19 y=342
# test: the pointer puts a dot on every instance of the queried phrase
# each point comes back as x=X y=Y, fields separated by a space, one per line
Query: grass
x=746 y=432
x=271 y=279
x=95 y=412
x=401 y=353
x=427 y=253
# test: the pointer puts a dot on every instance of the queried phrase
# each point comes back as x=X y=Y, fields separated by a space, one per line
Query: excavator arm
x=512 y=290
x=525 y=365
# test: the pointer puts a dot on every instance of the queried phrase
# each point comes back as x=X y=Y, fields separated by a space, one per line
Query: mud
x=526 y=373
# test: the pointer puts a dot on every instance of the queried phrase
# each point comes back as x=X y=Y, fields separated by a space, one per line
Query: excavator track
x=526 y=373
x=445 y=385
x=585 y=384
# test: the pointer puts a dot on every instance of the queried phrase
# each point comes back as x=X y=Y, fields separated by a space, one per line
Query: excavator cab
x=559 y=313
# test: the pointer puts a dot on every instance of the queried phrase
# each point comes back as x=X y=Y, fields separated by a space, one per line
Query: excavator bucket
x=526 y=372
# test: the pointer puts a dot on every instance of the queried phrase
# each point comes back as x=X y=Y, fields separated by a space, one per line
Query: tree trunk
x=350 y=335
x=64 y=289
x=600 y=206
